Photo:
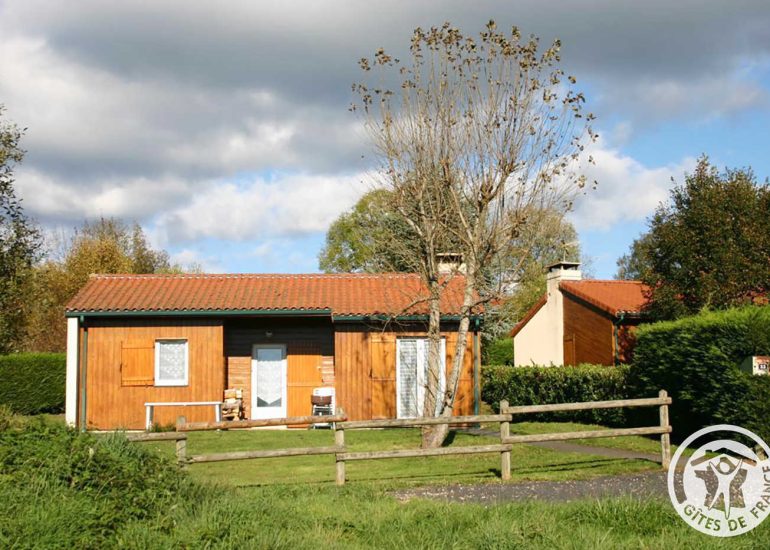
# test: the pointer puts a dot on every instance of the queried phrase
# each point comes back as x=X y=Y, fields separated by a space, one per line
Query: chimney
x=450 y=262
x=562 y=271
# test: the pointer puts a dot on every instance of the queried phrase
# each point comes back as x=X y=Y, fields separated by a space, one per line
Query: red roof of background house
x=613 y=297
x=531 y=313
x=340 y=294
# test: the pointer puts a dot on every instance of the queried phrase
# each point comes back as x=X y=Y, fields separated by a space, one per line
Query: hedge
x=498 y=352
x=697 y=360
x=546 y=385
x=33 y=383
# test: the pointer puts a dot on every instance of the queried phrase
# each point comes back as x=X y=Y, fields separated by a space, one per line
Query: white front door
x=268 y=381
x=412 y=376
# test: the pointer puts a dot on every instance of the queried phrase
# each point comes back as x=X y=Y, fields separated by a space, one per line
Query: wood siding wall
x=307 y=342
x=588 y=334
x=220 y=354
x=111 y=403
x=365 y=370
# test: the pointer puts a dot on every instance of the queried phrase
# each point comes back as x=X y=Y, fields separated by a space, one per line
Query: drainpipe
x=616 y=335
x=83 y=365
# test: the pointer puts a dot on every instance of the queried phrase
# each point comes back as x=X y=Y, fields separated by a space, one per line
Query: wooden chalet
x=153 y=347
x=580 y=321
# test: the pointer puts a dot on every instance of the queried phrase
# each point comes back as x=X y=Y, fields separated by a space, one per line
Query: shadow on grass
x=487 y=475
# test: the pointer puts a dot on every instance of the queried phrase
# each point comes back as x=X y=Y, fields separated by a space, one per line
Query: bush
x=497 y=352
x=696 y=359
x=33 y=383
x=547 y=385
x=64 y=489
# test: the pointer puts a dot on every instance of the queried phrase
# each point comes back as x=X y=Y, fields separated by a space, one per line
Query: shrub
x=33 y=383
x=64 y=489
x=697 y=358
x=498 y=352
x=546 y=385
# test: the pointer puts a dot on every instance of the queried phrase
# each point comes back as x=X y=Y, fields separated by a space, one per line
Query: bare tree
x=481 y=134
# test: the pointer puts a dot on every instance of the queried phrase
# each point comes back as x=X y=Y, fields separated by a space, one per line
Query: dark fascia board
x=261 y=312
x=385 y=318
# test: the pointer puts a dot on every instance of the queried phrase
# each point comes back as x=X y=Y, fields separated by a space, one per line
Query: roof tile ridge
x=612 y=281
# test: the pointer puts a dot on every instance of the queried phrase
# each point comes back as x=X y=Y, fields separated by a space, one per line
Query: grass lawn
x=528 y=462
x=630 y=443
x=293 y=503
x=60 y=489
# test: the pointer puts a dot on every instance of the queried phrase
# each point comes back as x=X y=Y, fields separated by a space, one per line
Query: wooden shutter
x=303 y=375
x=137 y=363
x=383 y=350
x=569 y=350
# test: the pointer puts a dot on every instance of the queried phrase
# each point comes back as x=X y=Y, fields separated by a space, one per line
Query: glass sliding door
x=412 y=376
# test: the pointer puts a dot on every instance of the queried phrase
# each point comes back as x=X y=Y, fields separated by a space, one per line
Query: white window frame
x=420 y=375
x=179 y=381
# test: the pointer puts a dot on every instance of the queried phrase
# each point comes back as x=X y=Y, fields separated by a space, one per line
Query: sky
x=223 y=128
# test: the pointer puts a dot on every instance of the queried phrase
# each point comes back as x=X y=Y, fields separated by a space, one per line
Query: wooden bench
x=150 y=409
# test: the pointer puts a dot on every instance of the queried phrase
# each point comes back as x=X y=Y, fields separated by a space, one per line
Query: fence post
x=505 y=456
x=339 y=442
x=665 y=439
x=181 y=444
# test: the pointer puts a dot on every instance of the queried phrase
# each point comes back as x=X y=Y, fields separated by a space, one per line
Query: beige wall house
x=579 y=321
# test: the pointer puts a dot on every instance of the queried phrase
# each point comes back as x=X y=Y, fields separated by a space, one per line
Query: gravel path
x=642 y=485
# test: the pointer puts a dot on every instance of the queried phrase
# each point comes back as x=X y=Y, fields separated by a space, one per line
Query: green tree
x=635 y=265
x=708 y=246
x=20 y=243
x=356 y=241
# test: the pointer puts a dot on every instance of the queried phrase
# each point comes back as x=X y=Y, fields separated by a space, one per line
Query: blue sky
x=225 y=131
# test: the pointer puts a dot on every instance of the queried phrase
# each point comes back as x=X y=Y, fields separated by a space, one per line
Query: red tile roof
x=531 y=313
x=613 y=297
x=340 y=294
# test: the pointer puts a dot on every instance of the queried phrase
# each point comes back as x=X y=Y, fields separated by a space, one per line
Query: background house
x=134 y=339
x=579 y=321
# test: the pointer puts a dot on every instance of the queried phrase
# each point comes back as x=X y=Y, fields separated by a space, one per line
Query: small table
x=150 y=409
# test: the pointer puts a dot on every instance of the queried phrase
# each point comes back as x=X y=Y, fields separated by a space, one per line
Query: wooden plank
x=111 y=404
x=430 y=421
x=665 y=439
x=441 y=451
x=505 y=456
x=339 y=442
x=274 y=453
x=588 y=405
x=160 y=436
x=259 y=423
x=533 y=438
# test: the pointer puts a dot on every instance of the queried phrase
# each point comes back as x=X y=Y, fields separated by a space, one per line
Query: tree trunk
x=469 y=299
x=434 y=436
x=432 y=386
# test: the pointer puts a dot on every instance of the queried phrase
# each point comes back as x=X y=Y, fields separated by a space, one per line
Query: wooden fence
x=341 y=424
x=180 y=438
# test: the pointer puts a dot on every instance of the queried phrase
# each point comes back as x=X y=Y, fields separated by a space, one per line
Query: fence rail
x=183 y=426
x=340 y=424
x=180 y=438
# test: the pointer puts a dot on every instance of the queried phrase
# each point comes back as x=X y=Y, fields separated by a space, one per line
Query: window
x=171 y=363
x=412 y=376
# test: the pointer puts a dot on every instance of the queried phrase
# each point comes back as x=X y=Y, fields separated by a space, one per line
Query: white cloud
x=628 y=191
x=287 y=205
x=61 y=200
x=188 y=257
